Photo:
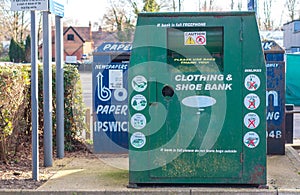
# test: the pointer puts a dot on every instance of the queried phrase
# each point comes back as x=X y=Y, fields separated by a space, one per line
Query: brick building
x=80 y=42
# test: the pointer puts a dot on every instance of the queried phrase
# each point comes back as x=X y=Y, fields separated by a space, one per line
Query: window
x=70 y=37
x=296 y=26
x=295 y=49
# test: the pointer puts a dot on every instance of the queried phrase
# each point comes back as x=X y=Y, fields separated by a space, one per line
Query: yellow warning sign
x=195 y=38
x=190 y=41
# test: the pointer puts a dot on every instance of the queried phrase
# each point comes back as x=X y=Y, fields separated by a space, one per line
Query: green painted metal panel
x=198 y=86
x=292 y=79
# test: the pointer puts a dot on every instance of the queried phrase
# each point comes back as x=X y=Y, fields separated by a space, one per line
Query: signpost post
x=59 y=88
x=47 y=90
x=58 y=9
x=34 y=98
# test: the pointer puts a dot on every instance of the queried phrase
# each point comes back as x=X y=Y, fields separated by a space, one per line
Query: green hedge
x=15 y=107
x=14 y=88
x=74 y=106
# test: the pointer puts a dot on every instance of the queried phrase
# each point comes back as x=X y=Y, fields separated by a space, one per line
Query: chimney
x=90 y=29
x=100 y=29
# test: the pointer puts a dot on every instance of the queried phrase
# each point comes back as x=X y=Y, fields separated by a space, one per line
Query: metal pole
x=34 y=99
x=47 y=89
x=59 y=87
x=289 y=123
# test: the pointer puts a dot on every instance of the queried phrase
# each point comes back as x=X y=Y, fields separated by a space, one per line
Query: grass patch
x=118 y=176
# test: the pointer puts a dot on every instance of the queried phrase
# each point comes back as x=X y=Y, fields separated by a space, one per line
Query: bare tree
x=211 y=5
x=179 y=5
x=13 y=24
x=291 y=5
x=267 y=21
x=236 y=6
x=122 y=14
x=120 y=20
x=232 y=5
x=206 y=5
x=240 y=5
x=134 y=6
x=5 y=21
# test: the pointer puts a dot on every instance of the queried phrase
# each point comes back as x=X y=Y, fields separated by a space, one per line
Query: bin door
x=195 y=105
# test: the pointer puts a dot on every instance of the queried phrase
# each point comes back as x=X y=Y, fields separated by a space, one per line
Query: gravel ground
x=17 y=173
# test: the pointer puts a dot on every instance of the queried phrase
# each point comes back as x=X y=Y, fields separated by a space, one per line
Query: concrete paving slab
x=109 y=174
